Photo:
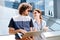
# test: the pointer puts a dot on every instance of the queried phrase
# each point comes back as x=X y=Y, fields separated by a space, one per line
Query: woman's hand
x=45 y=29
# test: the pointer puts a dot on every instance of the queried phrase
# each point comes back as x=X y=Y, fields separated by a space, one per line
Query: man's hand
x=23 y=31
x=28 y=38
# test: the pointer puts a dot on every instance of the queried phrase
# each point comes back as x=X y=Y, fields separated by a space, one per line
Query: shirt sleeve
x=31 y=23
x=11 y=24
x=44 y=23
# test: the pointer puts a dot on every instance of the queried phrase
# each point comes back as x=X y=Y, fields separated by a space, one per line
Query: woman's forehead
x=35 y=12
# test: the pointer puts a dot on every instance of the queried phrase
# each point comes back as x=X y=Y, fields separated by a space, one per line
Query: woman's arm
x=45 y=29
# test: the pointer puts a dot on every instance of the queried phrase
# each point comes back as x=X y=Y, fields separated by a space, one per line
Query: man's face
x=26 y=12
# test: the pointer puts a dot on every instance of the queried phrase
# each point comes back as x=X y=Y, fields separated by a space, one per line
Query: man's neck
x=24 y=15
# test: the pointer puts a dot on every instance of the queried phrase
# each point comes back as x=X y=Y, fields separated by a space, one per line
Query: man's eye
x=35 y=13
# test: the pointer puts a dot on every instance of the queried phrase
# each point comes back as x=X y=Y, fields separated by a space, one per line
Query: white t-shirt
x=39 y=26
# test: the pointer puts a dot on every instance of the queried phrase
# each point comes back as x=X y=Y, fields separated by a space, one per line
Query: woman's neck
x=38 y=20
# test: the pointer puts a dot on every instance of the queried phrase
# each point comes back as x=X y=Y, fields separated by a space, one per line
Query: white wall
x=5 y=16
x=9 y=37
x=2 y=2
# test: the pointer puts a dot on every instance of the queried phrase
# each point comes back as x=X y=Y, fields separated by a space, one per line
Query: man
x=22 y=23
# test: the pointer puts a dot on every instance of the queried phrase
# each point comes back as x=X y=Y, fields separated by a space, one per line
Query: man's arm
x=11 y=30
x=31 y=25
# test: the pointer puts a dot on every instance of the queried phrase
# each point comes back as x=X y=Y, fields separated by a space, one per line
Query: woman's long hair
x=39 y=11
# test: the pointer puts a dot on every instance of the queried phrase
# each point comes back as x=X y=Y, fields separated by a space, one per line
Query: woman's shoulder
x=43 y=21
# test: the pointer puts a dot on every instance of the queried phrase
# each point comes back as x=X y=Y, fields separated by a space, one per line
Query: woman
x=39 y=23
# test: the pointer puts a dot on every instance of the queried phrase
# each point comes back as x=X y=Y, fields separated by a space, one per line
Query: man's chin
x=26 y=14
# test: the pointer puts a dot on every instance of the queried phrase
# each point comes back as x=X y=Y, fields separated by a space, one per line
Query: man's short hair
x=23 y=6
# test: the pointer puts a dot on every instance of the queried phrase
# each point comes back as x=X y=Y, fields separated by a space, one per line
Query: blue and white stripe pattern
x=22 y=22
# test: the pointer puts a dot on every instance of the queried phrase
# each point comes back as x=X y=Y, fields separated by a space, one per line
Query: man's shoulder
x=29 y=17
x=15 y=17
x=19 y=17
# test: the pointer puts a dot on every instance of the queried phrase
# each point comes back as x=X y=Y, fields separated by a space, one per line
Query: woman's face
x=36 y=14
